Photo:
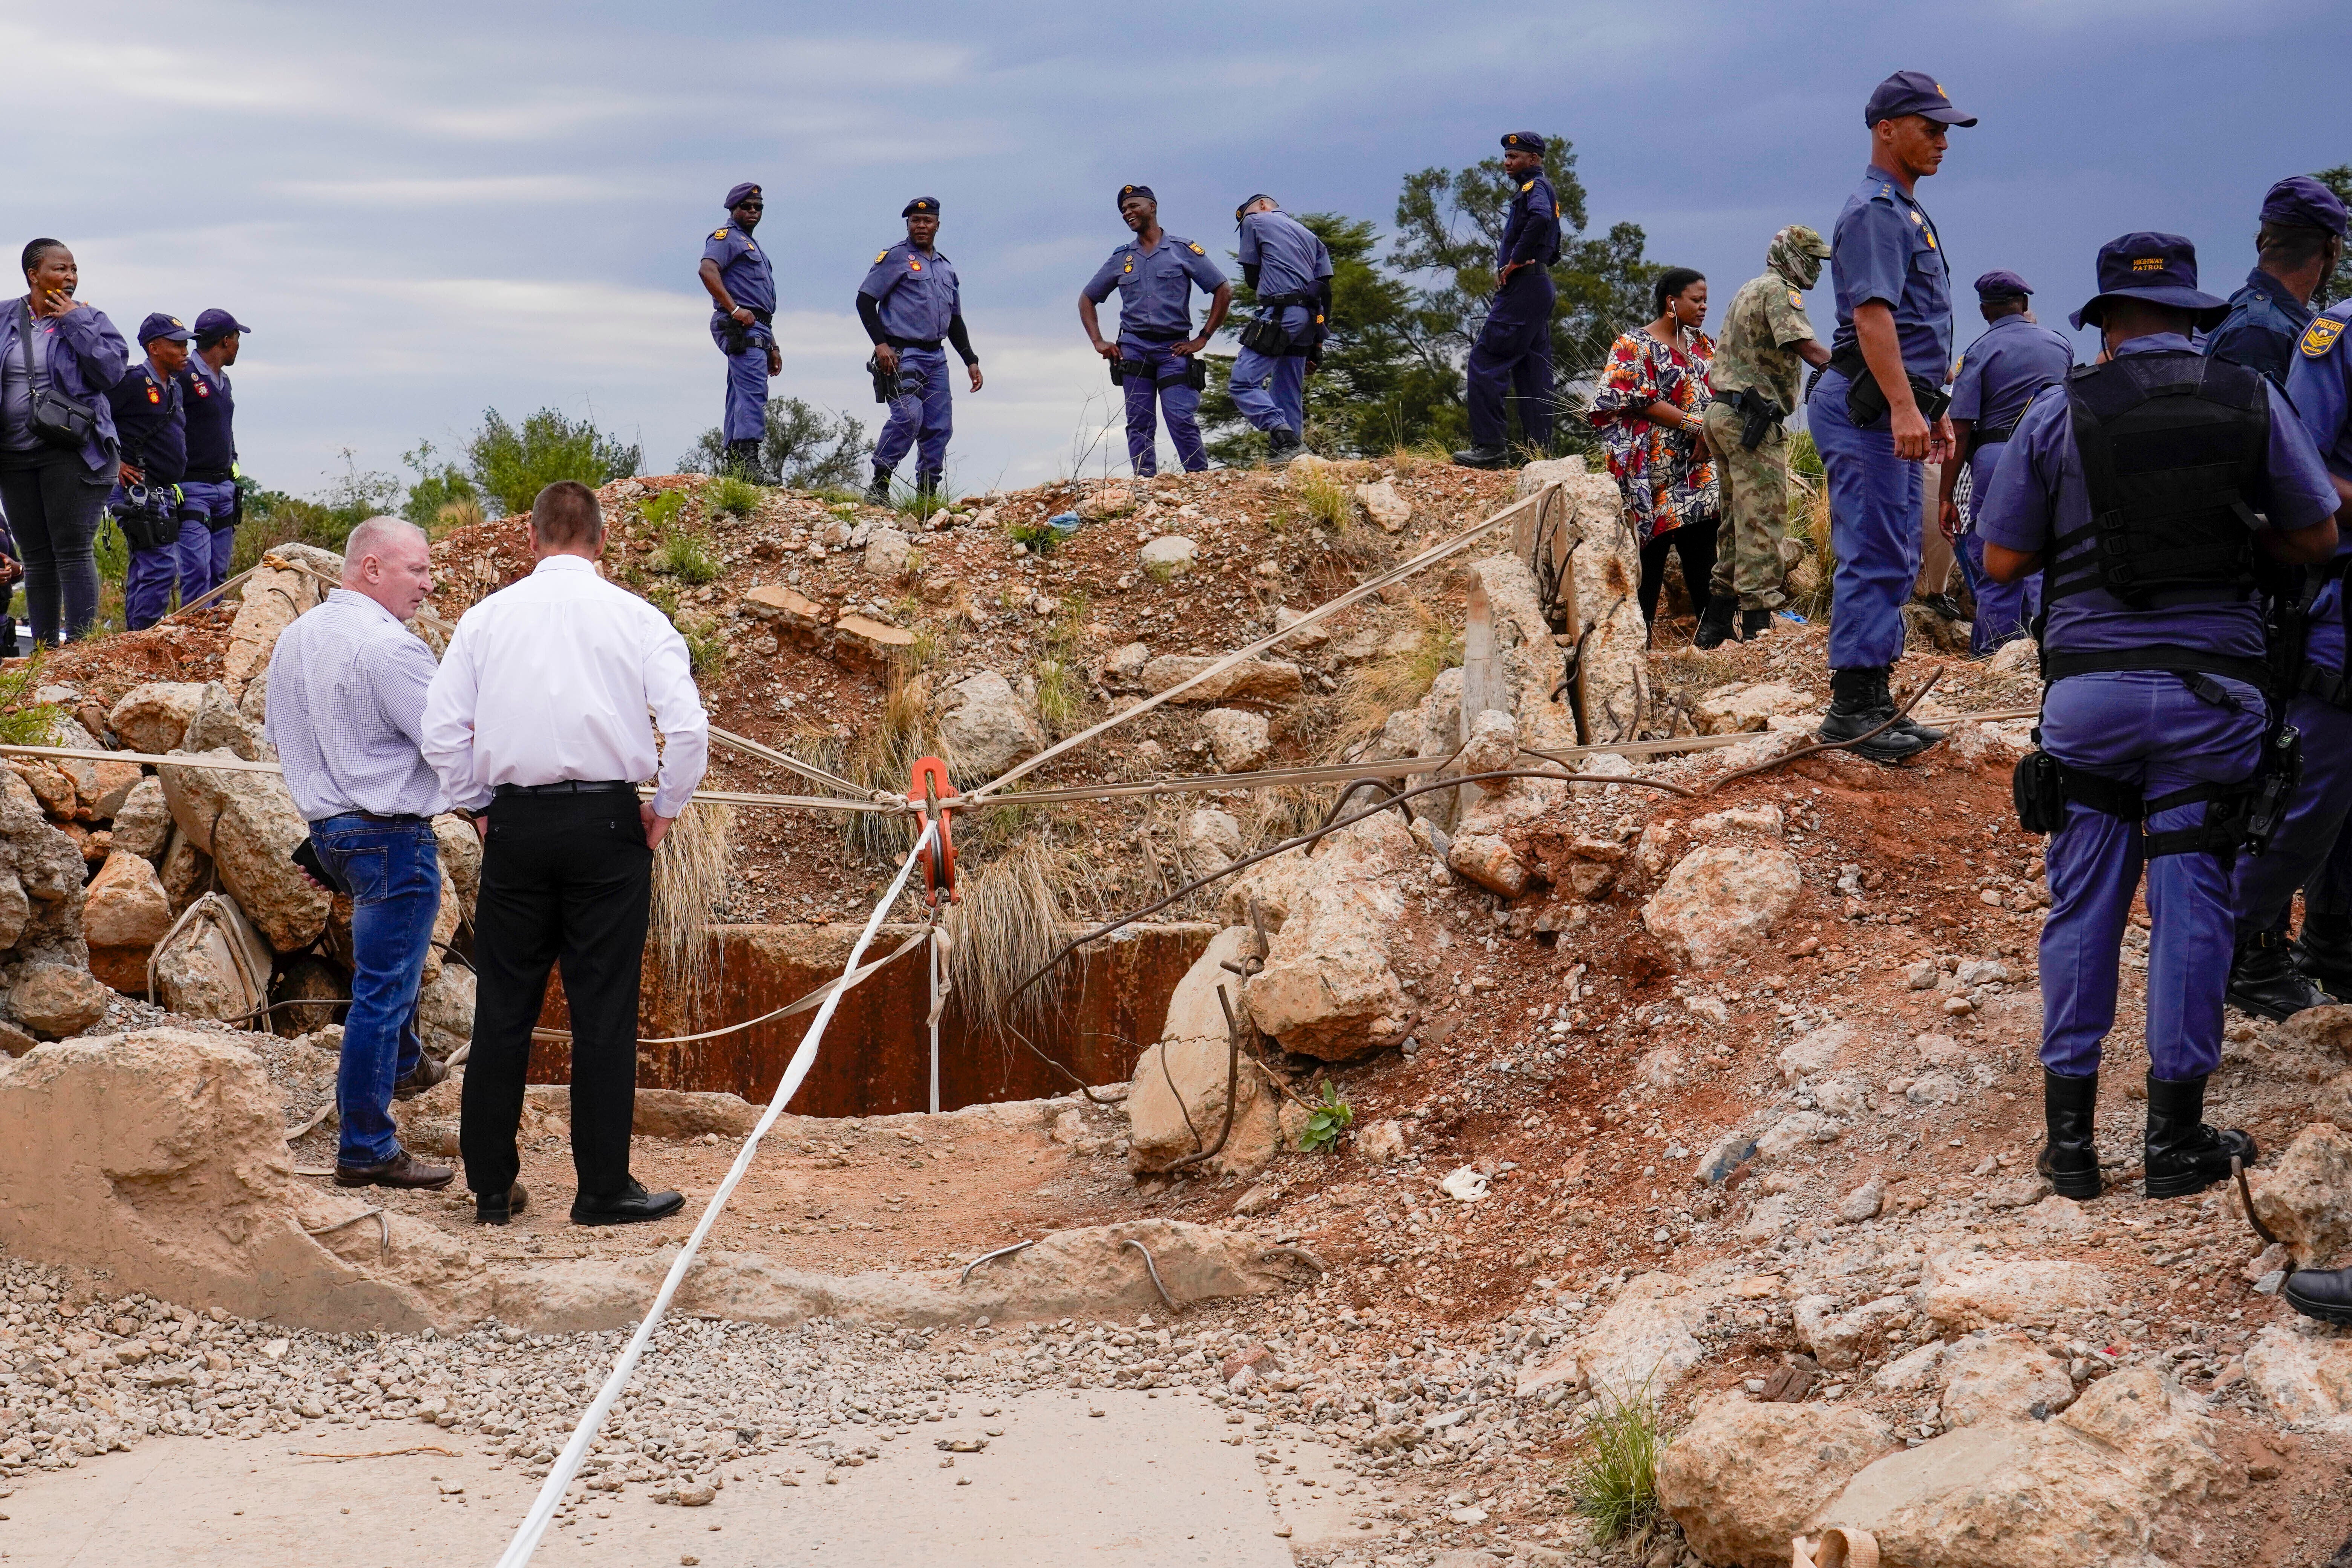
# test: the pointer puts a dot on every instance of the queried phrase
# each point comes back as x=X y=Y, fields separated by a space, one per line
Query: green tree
x=2336 y=286
x=1448 y=225
x=806 y=447
x=510 y=464
x=438 y=484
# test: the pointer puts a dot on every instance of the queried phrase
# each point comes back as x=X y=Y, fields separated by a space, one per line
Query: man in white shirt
x=540 y=712
x=347 y=684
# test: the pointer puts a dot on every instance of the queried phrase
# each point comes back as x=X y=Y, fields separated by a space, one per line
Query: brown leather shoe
x=427 y=1073
x=403 y=1170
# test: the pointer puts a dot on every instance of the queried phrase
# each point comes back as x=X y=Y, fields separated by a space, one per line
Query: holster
x=1865 y=400
x=1266 y=335
x=1196 y=373
x=738 y=335
x=2038 y=786
x=1758 y=415
x=885 y=385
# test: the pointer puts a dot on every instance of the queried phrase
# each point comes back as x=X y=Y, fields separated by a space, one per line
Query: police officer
x=909 y=302
x=2013 y=359
x=2141 y=486
x=210 y=487
x=1766 y=337
x=1876 y=411
x=1513 y=348
x=2299 y=245
x=2319 y=383
x=743 y=287
x=170 y=543
x=1289 y=268
x=1153 y=358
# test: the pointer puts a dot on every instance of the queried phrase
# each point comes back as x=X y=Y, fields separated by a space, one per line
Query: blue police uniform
x=1292 y=265
x=751 y=282
x=151 y=421
x=1155 y=311
x=910 y=297
x=210 y=488
x=1885 y=248
x=2149 y=729
x=1999 y=375
x=1513 y=353
x=2262 y=328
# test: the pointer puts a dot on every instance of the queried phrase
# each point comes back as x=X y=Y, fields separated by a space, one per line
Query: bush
x=439 y=486
x=23 y=722
x=663 y=509
x=687 y=556
x=805 y=448
x=731 y=495
x=273 y=517
x=511 y=464
x=1614 y=1475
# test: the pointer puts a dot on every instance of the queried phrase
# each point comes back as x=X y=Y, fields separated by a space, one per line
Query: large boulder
x=1720 y=899
x=1600 y=577
x=54 y=1000
x=1329 y=989
x=220 y=724
x=2305 y=1197
x=278 y=590
x=1176 y=1102
x=2304 y=1372
x=461 y=858
x=1967 y=1290
x=1209 y=838
x=987 y=726
x=124 y=915
x=1639 y=1349
x=41 y=872
x=142 y=823
x=445 y=1010
x=215 y=965
x=1251 y=680
x=889 y=552
x=1744 y=1476
x=153 y=717
x=100 y=787
x=1237 y=739
x=248 y=823
x=2002 y=1377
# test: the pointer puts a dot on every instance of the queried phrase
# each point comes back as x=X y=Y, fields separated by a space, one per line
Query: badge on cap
x=2320 y=336
x=2147 y=264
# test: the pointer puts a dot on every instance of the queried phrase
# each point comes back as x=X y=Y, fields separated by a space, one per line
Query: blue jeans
x=393 y=870
x=1874 y=499
x=2149 y=729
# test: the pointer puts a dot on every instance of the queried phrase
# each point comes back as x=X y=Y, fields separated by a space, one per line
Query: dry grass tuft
x=1009 y=924
x=1396 y=679
x=1808 y=523
x=1324 y=499
x=692 y=870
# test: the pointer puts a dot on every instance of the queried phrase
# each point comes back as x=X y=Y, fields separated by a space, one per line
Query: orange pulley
x=926 y=790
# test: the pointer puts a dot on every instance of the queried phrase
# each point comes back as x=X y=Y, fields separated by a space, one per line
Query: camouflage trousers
x=1755 y=510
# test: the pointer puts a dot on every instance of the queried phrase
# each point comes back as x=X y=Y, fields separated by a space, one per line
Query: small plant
x=23 y=722
x=1061 y=684
x=452 y=516
x=110 y=550
x=1614 y=1475
x=1326 y=501
x=1330 y=1118
x=706 y=645
x=1039 y=536
x=662 y=510
x=1397 y=678
x=687 y=556
x=1161 y=572
x=730 y=496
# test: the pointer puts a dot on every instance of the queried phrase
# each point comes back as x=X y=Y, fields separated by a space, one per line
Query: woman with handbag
x=58 y=447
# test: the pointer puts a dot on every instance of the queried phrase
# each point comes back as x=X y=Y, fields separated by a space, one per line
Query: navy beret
x=735 y=198
x=1143 y=190
x=2002 y=284
x=920 y=205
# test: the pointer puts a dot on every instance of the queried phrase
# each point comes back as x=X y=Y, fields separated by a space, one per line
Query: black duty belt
x=930 y=345
x=1154 y=334
x=568 y=786
x=1986 y=435
x=2058 y=664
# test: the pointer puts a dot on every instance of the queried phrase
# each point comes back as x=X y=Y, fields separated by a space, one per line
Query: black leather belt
x=400 y=820
x=570 y=786
x=929 y=345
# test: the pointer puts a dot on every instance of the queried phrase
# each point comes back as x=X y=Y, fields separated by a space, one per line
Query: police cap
x=2003 y=284
x=1143 y=190
x=1523 y=142
x=1913 y=92
x=1247 y=202
x=920 y=206
x=736 y=197
x=2160 y=269
x=219 y=324
x=160 y=325
x=2303 y=203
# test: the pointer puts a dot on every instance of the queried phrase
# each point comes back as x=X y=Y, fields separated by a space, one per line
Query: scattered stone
x=1737 y=707
x=280 y=590
x=888 y=553
x=153 y=718
x=1840 y=1340
x=1211 y=839
x=1388 y=510
x=2304 y=1372
x=142 y=823
x=987 y=726
x=2305 y=1197
x=1252 y=680
x=54 y=1000
x=1816 y=1050
x=1965 y=1290
x=1329 y=989
x=2002 y=1377
x=1488 y=860
x=1237 y=739
x=1863 y=1203
x=1383 y=1142
x=1169 y=555
x=124 y=915
x=1719 y=899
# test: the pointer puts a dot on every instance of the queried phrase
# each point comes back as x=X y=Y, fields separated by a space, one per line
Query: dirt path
x=1105 y=1477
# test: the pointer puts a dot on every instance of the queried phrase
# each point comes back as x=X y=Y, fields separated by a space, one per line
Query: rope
x=567 y=1464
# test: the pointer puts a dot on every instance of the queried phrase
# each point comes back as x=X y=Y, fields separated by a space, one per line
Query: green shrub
x=438 y=488
x=1614 y=1475
x=731 y=495
x=687 y=556
x=23 y=722
x=1330 y=1118
x=706 y=645
x=111 y=551
x=1326 y=501
x=511 y=464
x=1039 y=536
x=804 y=447
x=663 y=509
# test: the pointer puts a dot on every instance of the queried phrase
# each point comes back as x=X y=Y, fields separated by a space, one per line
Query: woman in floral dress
x=1649 y=409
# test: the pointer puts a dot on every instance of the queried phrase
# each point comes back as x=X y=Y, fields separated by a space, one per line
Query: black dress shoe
x=423 y=1075
x=2070 y=1159
x=2324 y=1294
x=2264 y=980
x=403 y=1170
x=631 y=1206
x=2184 y=1156
x=498 y=1208
x=1483 y=458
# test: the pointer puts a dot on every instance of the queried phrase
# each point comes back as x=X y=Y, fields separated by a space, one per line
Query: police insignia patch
x=1528 y=187
x=1198 y=251
x=2321 y=336
x=719 y=234
x=880 y=257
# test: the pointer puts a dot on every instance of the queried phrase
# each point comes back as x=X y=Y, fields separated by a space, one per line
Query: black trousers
x=1695 y=543
x=565 y=879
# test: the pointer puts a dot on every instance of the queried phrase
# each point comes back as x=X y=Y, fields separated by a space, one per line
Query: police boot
x=1859 y=704
x=1281 y=443
x=2184 y=1156
x=743 y=460
x=1715 y=624
x=2263 y=979
x=2070 y=1161
x=879 y=492
x=2324 y=1294
x=1754 y=623
x=1483 y=458
x=2323 y=950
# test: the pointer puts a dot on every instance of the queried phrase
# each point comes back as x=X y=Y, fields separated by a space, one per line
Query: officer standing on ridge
x=1513 y=348
x=743 y=298
x=909 y=302
x=169 y=542
x=1154 y=359
x=1289 y=268
x=2319 y=384
x=211 y=485
x=2015 y=358
x=1876 y=411
x=1766 y=337
x=2149 y=488
x=2299 y=245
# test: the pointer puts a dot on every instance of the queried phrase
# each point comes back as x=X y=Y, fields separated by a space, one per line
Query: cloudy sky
x=426 y=209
